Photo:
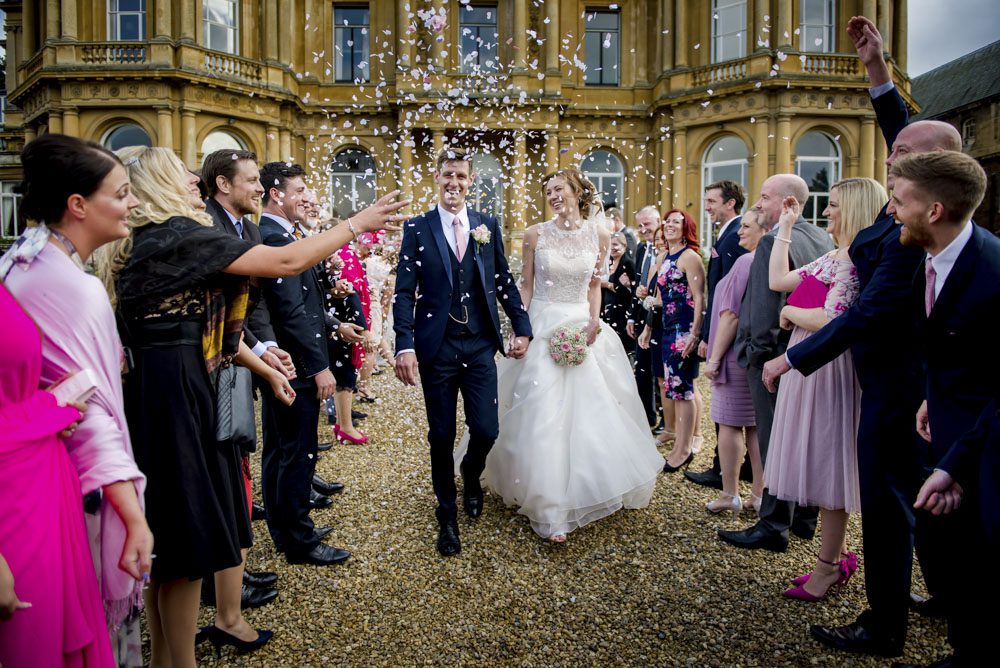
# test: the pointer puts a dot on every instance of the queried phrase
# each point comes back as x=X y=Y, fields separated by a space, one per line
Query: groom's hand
x=406 y=368
x=518 y=347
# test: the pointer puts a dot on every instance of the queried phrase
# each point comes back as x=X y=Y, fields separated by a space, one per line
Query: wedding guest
x=680 y=280
x=71 y=306
x=617 y=290
x=377 y=270
x=653 y=306
x=345 y=304
x=813 y=450
x=617 y=222
x=732 y=407
x=182 y=302
x=648 y=219
x=758 y=339
x=353 y=270
x=934 y=196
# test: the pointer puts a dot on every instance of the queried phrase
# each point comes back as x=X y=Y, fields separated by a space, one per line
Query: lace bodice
x=564 y=262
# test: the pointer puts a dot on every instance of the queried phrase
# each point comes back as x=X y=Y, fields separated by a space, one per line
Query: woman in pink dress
x=43 y=537
x=812 y=456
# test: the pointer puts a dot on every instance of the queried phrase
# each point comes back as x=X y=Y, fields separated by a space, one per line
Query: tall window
x=10 y=226
x=126 y=135
x=729 y=29
x=352 y=182
x=126 y=20
x=486 y=193
x=968 y=132
x=817 y=160
x=602 y=48
x=350 y=44
x=222 y=28
x=816 y=33
x=606 y=171
x=479 y=37
x=726 y=158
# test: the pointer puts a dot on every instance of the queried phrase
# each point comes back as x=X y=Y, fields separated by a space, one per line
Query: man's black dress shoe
x=947 y=662
x=261 y=579
x=322 y=532
x=927 y=607
x=856 y=638
x=325 y=488
x=323 y=447
x=472 y=497
x=257 y=512
x=755 y=538
x=707 y=478
x=321 y=555
x=317 y=500
x=358 y=415
x=254 y=597
x=448 y=543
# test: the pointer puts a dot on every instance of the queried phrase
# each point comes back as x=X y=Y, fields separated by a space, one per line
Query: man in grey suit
x=758 y=339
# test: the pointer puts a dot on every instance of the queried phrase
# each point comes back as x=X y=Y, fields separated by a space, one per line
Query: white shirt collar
x=285 y=225
x=725 y=225
x=447 y=217
x=944 y=261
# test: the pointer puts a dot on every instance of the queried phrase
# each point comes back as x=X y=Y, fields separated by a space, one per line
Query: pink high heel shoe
x=799 y=592
x=344 y=437
x=852 y=567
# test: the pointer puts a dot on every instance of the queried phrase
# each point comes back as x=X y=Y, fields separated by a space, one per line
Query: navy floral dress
x=678 y=315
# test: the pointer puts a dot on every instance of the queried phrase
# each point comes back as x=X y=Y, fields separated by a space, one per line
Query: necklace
x=68 y=247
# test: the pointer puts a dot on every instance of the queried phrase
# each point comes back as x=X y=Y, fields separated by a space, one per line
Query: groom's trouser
x=463 y=364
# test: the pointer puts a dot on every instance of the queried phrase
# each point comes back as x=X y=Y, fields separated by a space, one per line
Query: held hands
x=518 y=347
x=283 y=391
x=68 y=431
x=924 y=422
x=774 y=370
x=790 y=211
x=285 y=364
x=325 y=384
x=406 y=368
x=380 y=215
x=940 y=494
x=137 y=553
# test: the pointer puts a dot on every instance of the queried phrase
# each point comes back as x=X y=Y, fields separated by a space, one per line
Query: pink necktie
x=460 y=240
x=929 y=289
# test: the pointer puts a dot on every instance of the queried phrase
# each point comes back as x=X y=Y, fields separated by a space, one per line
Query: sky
x=942 y=30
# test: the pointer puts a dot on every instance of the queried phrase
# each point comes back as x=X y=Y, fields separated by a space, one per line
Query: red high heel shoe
x=852 y=567
x=344 y=437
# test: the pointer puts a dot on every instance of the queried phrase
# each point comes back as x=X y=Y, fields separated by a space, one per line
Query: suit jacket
x=959 y=347
x=759 y=337
x=298 y=307
x=725 y=250
x=419 y=320
x=631 y=243
x=257 y=326
x=637 y=313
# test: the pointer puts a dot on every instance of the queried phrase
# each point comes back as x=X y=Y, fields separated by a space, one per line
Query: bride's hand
x=518 y=347
x=592 y=329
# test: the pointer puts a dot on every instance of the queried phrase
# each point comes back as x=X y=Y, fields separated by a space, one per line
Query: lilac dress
x=812 y=456
x=731 y=403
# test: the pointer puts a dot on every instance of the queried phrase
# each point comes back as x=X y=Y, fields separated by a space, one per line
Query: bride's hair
x=586 y=192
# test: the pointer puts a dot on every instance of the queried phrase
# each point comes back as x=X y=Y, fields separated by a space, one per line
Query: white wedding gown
x=574 y=444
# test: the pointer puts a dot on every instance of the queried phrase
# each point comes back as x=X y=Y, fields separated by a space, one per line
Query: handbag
x=810 y=293
x=234 y=416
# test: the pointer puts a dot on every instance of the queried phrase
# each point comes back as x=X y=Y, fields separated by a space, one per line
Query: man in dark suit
x=454 y=258
x=297 y=306
x=723 y=202
x=758 y=339
x=934 y=195
x=648 y=219
x=878 y=332
x=614 y=214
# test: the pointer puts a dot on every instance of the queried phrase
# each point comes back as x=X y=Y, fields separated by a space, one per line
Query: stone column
x=551 y=162
x=667 y=23
x=680 y=34
x=188 y=19
x=285 y=145
x=52 y=13
x=29 y=19
x=270 y=29
x=164 y=127
x=403 y=47
x=519 y=191
x=189 y=150
x=30 y=134
x=884 y=24
x=762 y=153
x=666 y=179
x=901 y=41
x=69 y=19
x=868 y=9
x=438 y=47
x=880 y=155
x=71 y=121
x=437 y=145
x=785 y=29
x=761 y=8
x=405 y=153
x=163 y=19
x=866 y=159
x=285 y=38
x=679 y=166
x=271 y=146
x=520 y=34
x=55 y=122
x=641 y=41
x=552 y=37
x=783 y=147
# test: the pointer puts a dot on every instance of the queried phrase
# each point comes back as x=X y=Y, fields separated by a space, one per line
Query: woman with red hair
x=681 y=285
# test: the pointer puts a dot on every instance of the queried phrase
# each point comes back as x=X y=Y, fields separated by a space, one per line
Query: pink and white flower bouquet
x=568 y=345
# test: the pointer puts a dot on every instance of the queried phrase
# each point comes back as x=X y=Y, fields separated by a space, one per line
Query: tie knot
x=929 y=267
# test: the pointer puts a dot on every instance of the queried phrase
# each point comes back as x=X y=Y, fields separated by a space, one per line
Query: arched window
x=725 y=159
x=486 y=193
x=352 y=182
x=126 y=135
x=969 y=132
x=817 y=160
x=218 y=140
x=606 y=171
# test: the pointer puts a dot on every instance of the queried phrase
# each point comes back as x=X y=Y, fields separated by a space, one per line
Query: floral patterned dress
x=678 y=316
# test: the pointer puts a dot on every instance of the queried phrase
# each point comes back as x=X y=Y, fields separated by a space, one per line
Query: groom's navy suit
x=445 y=310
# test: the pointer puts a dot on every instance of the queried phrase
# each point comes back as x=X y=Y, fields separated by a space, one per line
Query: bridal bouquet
x=568 y=346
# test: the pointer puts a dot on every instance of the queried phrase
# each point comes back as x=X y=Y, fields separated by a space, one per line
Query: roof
x=971 y=78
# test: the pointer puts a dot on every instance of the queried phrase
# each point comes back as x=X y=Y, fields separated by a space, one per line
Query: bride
x=574 y=445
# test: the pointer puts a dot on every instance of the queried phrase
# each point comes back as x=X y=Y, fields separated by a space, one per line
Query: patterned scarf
x=225 y=311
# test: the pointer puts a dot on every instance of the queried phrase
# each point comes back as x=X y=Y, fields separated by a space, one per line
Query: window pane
x=592 y=57
x=730 y=20
x=129 y=27
x=815 y=144
x=602 y=21
x=127 y=135
x=609 y=75
x=813 y=11
x=219 y=140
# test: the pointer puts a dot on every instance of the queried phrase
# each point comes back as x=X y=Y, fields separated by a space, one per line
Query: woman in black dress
x=182 y=297
x=616 y=292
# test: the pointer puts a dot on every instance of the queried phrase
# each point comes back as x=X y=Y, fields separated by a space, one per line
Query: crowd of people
x=127 y=417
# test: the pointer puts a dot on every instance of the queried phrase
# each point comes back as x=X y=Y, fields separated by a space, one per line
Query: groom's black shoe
x=448 y=543
x=472 y=497
x=856 y=637
x=755 y=538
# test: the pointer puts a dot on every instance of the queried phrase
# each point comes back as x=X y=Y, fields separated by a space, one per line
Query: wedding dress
x=574 y=445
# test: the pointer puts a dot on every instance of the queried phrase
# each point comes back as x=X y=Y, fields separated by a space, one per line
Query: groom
x=454 y=258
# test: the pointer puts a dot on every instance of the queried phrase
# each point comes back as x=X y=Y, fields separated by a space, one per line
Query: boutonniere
x=481 y=235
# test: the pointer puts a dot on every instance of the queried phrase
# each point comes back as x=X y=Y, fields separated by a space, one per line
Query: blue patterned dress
x=678 y=315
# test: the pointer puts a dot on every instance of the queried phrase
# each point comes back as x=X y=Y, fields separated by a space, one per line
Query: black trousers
x=463 y=364
x=646 y=383
x=776 y=516
x=288 y=462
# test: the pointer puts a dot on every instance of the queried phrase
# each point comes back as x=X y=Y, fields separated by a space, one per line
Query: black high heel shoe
x=667 y=468
x=221 y=638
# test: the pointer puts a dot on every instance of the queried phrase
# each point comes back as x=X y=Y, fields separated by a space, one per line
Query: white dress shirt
x=447 y=222
x=944 y=261
x=722 y=230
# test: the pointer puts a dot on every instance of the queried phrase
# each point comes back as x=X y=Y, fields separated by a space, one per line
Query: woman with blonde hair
x=812 y=457
x=182 y=298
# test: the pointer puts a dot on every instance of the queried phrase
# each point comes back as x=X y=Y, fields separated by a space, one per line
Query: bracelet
x=777 y=238
x=350 y=226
